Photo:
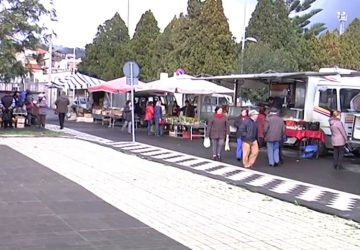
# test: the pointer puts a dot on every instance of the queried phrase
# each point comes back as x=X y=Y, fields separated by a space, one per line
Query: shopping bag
x=207 y=142
x=227 y=143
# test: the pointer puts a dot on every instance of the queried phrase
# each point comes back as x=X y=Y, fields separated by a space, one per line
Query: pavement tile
x=194 y=210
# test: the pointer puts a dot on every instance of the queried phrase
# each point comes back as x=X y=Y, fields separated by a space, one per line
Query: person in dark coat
x=217 y=130
x=188 y=110
x=243 y=116
x=249 y=137
x=62 y=103
x=274 y=133
x=158 y=119
x=7 y=105
x=338 y=139
x=127 y=115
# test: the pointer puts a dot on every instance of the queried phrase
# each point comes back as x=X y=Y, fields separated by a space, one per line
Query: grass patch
x=31 y=132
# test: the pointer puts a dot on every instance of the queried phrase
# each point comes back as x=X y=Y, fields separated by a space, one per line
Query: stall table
x=191 y=128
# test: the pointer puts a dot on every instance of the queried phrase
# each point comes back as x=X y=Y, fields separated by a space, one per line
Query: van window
x=328 y=99
x=346 y=96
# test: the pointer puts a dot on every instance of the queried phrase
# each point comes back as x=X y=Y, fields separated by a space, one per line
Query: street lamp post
x=236 y=86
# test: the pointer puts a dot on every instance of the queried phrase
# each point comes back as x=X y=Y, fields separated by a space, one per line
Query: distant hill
x=79 y=52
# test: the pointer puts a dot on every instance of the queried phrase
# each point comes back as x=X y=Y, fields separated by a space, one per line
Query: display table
x=189 y=133
x=301 y=134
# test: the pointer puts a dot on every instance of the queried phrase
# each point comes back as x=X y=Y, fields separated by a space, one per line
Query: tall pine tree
x=270 y=23
x=301 y=13
x=107 y=53
x=210 y=47
x=143 y=45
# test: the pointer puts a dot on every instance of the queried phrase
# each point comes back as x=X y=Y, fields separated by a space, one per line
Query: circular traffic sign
x=131 y=69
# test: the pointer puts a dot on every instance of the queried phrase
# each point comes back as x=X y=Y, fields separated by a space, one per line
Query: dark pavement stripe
x=272 y=184
x=40 y=209
x=215 y=168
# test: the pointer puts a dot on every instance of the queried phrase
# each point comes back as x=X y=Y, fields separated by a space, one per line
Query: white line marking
x=342 y=202
x=180 y=158
x=155 y=152
x=311 y=194
x=142 y=150
x=192 y=162
x=165 y=155
x=285 y=187
x=224 y=170
x=240 y=176
x=261 y=181
x=207 y=166
x=130 y=148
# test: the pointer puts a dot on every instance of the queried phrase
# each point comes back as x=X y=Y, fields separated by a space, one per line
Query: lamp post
x=244 y=40
x=236 y=86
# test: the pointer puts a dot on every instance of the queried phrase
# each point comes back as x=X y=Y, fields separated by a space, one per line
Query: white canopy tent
x=183 y=84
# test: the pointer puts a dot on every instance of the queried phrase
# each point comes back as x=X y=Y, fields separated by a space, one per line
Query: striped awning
x=75 y=81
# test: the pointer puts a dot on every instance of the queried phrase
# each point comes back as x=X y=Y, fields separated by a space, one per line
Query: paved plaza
x=193 y=210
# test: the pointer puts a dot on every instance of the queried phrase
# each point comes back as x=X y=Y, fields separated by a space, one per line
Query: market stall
x=77 y=86
x=114 y=95
x=185 y=127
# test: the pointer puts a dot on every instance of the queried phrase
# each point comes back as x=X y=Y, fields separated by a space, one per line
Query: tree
x=20 y=29
x=107 y=53
x=260 y=57
x=270 y=24
x=167 y=46
x=210 y=47
x=143 y=45
x=301 y=19
x=350 y=47
x=194 y=8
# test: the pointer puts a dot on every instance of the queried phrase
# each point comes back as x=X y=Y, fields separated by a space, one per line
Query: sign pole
x=132 y=102
x=132 y=70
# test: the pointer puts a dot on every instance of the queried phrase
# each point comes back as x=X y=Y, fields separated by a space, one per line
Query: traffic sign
x=131 y=69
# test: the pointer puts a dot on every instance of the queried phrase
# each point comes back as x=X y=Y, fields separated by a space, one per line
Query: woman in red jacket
x=149 y=116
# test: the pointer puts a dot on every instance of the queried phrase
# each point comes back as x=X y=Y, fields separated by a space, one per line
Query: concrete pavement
x=320 y=198
x=316 y=172
x=198 y=212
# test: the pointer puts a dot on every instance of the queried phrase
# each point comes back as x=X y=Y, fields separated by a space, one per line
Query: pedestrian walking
x=218 y=129
x=261 y=127
x=62 y=103
x=149 y=116
x=238 y=121
x=158 y=111
x=274 y=133
x=250 y=145
x=127 y=115
x=338 y=139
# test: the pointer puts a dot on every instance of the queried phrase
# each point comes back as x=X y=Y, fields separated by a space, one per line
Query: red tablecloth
x=301 y=134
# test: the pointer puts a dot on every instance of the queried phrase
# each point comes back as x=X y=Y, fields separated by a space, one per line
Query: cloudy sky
x=78 y=19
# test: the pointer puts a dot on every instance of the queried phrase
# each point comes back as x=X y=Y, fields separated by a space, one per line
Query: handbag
x=227 y=143
x=207 y=142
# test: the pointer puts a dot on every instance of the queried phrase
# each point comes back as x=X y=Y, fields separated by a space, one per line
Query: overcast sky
x=78 y=19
